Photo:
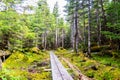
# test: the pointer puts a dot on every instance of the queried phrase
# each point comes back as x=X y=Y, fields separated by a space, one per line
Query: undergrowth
x=26 y=66
x=97 y=68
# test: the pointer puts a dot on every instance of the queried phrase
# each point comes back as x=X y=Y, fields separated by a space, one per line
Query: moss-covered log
x=100 y=48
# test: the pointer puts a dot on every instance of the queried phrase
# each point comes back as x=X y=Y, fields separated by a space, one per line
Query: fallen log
x=76 y=70
x=100 y=48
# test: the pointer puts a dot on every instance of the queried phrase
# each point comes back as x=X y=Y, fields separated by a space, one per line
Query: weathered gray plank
x=58 y=71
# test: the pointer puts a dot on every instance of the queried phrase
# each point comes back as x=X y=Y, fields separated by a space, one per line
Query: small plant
x=107 y=76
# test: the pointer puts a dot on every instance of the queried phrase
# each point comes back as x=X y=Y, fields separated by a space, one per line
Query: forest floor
x=26 y=66
x=97 y=68
x=36 y=66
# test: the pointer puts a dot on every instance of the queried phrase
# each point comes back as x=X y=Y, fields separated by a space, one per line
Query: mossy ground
x=26 y=66
x=101 y=69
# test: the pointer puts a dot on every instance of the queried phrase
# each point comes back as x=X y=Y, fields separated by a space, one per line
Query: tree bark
x=89 y=36
x=62 y=38
x=84 y=29
x=98 y=25
x=44 y=40
x=36 y=41
x=56 y=38
x=76 y=32
x=72 y=34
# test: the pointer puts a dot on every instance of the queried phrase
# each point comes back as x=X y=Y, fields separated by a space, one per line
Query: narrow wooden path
x=58 y=71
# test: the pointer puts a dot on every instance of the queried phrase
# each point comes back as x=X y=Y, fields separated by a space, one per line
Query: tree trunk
x=76 y=31
x=44 y=40
x=89 y=41
x=36 y=41
x=56 y=38
x=98 y=25
x=62 y=38
x=85 y=36
x=72 y=34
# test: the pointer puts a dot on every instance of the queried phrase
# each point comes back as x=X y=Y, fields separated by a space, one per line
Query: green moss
x=107 y=67
x=17 y=66
x=90 y=73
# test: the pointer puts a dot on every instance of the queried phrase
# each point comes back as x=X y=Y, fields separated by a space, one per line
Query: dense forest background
x=21 y=31
x=90 y=23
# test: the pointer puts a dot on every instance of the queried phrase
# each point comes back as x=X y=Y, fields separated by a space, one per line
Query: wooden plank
x=55 y=72
x=58 y=71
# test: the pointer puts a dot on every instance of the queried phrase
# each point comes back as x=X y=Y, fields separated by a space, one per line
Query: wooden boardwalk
x=58 y=71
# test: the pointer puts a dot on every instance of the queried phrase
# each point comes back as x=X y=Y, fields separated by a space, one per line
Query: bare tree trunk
x=89 y=36
x=98 y=25
x=76 y=31
x=72 y=34
x=85 y=41
x=36 y=41
x=45 y=40
x=62 y=38
x=56 y=38
x=99 y=34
